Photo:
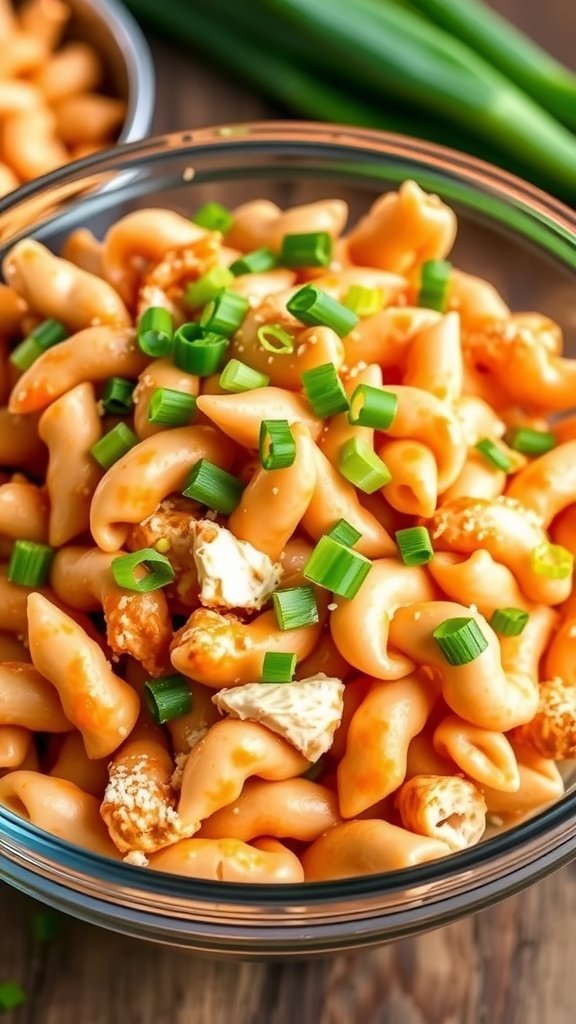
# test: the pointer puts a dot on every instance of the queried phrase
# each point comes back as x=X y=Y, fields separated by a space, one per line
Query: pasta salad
x=288 y=523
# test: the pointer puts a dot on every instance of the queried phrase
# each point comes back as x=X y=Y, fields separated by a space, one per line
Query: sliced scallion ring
x=324 y=390
x=336 y=567
x=372 y=407
x=237 y=376
x=460 y=639
x=509 y=621
x=532 y=442
x=414 y=545
x=198 y=351
x=494 y=454
x=295 y=607
x=344 y=533
x=275 y=339
x=159 y=572
x=155 y=332
x=434 y=284
x=168 y=697
x=359 y=464
x=214 y=217
x=312 y=249
x=552 y=561
x=199 y=292
x=117 y=396
x=116 y=443
x=364 y=301
x=214 y=487
x=29 y=564
x=316 y=308
x=171 y=408
x=259 y=261
x=277 y=445
x=278 y=667
x=224 y=313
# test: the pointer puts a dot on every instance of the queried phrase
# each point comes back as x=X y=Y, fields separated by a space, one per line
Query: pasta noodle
x=48 y=102
x=69 y=427
x=306 y=619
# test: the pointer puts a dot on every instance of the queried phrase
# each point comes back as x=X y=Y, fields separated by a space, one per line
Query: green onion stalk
x=507 y=48
x=354 y=64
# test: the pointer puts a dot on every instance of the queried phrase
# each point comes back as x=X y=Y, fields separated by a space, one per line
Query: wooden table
x=513 y=964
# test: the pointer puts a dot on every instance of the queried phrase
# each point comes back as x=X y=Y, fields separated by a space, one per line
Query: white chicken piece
x=306 y=712
x=232 y=573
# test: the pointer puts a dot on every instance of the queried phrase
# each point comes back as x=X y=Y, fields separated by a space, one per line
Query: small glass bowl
x=509 y=232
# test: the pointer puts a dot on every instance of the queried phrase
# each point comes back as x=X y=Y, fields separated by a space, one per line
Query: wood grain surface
x=512 y=964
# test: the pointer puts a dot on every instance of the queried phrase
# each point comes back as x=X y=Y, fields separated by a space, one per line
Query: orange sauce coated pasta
x=51 y=92
x=241 y=671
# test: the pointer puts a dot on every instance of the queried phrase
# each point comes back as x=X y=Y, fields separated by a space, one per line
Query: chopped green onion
x=313 y=249
x=509 y=621
x=336 y=567
x=314 y=307
x=213 y=487
x=168 y=698
x=275 y=339
x=434 y=284
x=324 y=390
x=214 y=217
x=199 y=292
x=359 y=464
x=237 y=376
x=552 y=560
x=159 y=572
x=414 y=545
x=345 y=533
x=364 y=301
x=198 y=351
x=49 y=333
x=295 y=607
x=277 y=446
x=30 y=563
x=256 y=262
x=461 y=640
x=532 y=442
x=12 y=995
x=117 y=396
x=173 y=408
x=26 y=353
x=225 y=313
x=113 y=445
x=494 y=454
x=43 y=337
x=278 y=667
x=155 y=332
x=372 y=407
x=45 y=925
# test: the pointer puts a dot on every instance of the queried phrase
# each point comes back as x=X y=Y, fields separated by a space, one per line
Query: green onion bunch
x=452 y=71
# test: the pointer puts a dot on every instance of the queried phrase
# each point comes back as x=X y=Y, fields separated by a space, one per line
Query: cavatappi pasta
x=52 y=107
x=287 y=538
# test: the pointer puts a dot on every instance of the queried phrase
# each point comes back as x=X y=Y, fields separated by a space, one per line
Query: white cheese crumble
x=306 y=712
x=137 y=858
x=231 y=573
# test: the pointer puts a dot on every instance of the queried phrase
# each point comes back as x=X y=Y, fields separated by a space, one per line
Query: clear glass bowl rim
x=524 y=852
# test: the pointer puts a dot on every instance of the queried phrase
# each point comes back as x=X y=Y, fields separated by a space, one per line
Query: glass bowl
x=120 y=40
x=514 y=235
